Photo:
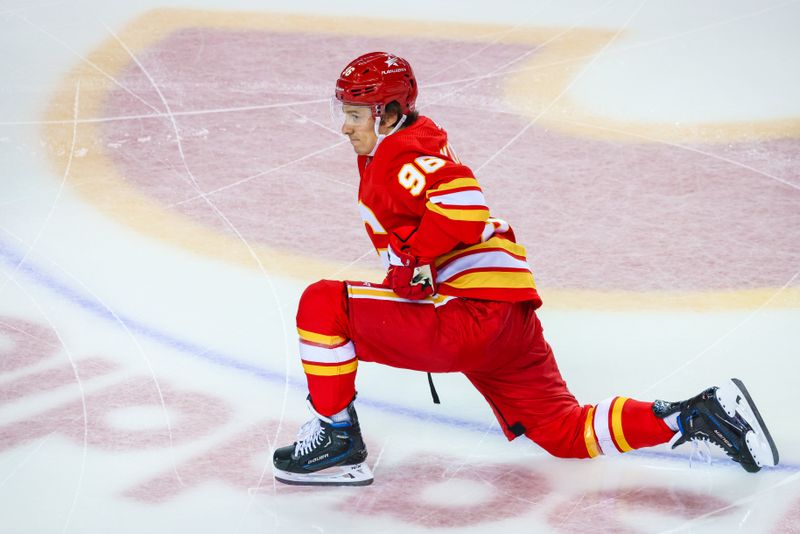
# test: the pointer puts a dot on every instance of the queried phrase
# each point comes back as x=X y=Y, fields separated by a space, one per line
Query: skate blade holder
x=734 y=398
x=338 y=475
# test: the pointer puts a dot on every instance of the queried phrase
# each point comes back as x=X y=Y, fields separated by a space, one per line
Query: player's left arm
x=455 y=211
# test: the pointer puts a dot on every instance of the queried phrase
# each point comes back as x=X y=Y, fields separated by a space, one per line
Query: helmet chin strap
x=381 y=136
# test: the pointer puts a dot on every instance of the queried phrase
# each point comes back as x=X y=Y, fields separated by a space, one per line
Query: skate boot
x=326 y=453
x=725 y=416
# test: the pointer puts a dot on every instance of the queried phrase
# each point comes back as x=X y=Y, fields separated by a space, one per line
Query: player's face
x=359 y=126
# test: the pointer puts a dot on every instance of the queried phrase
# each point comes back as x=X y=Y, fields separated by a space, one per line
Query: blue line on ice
x=19 y=262
x=43 y=279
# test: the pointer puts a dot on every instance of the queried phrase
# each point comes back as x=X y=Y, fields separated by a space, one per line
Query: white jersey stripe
x=480 y=260
x=460 y=198
x=312 y=353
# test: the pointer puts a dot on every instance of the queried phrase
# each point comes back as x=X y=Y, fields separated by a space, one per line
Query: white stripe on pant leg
x=312 y=353
x=602 y=429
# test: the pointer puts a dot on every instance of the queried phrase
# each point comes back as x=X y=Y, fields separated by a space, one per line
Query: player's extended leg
x=524 y=386
x=529 y=397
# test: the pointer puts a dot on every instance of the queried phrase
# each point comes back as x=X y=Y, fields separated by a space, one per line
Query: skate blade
x=339 y=475
x=735 y=398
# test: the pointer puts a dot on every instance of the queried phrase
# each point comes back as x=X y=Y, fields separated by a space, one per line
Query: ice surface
x=170 y=182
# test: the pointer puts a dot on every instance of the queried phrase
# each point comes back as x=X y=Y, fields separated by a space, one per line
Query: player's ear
x=390 y=117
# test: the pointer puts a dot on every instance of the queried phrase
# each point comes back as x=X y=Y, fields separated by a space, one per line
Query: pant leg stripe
x=588 y=435
x=330 y=370
x=602 y=428
x=320 y=339
x=324 y=355
x=616 y=425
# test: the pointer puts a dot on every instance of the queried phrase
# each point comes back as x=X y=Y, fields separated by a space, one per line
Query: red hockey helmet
x=375 y=79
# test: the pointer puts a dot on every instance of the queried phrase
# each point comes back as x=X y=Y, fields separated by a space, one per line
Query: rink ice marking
x=11 y=258
x=43 y=313
x=537 y=91
x=244 y=241
x=606 y=301
x=552 y=69
x=426 y=416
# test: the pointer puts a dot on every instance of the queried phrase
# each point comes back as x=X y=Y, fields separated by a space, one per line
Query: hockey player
x=459 y=296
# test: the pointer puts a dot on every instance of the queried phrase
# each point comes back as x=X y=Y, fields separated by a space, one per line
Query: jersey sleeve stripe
x=469 y=197
x=461 y=214
x=454 y=184
x=433 y=193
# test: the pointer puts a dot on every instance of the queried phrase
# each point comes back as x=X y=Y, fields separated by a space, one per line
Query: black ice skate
x=727 y=417
x=325 y=454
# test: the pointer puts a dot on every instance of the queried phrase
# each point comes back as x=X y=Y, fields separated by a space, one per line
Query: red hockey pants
x=498 y=346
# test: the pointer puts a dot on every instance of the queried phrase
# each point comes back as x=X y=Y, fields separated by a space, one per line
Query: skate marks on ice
x=286 y=174
x=417 y=487
x=219 y=121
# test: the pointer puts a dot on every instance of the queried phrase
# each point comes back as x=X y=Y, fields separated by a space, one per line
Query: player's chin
x=360 y=149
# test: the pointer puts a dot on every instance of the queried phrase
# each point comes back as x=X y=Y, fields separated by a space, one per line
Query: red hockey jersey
x=416 y=188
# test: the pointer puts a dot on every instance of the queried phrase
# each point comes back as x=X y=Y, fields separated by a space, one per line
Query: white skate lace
x=309 y=436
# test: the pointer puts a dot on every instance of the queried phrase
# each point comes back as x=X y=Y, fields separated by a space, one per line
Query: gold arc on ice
x=536 y=87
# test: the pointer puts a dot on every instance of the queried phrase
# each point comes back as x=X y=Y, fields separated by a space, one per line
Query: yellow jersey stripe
x=321 y=339
x=330 y=370
x=493 y=279
x=454 y=184
x=479 y=215
x=616 y=424
x=588 y=435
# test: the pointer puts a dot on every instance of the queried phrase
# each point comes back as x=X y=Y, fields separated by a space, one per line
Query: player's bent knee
x=323 y=306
